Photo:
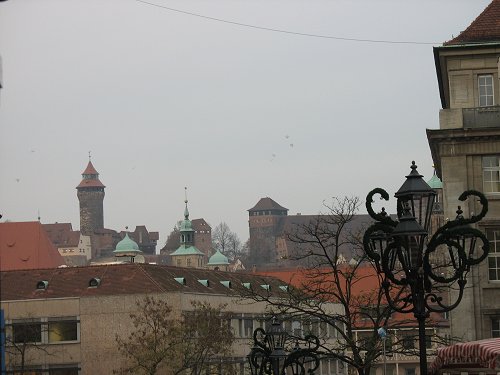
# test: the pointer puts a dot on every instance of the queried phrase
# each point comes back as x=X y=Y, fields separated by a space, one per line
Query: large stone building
x=466 y=153
x=74 y=314
x=270 y=228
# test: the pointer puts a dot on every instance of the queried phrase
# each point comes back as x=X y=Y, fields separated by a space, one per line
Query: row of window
x=51 y=370
x=49 y=331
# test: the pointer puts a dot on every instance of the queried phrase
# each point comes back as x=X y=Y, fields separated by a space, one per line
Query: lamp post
x=407 y=259
x=268 y=355
x=382 y=333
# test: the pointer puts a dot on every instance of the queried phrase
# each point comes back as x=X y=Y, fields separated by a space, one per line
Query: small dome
x=217 y=259
x=127 y=245
x=187 y=250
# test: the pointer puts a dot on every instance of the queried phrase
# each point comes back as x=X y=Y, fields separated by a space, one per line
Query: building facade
x=70 y=317
x=466 y=153
x=75 y=247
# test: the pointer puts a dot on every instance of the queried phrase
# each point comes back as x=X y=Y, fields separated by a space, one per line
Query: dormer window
x=485 y=89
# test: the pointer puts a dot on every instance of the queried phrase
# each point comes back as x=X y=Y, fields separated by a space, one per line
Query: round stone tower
x=90 y=193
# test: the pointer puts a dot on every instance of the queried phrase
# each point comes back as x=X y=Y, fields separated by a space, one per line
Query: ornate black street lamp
x=268 y=355
x=413 y=281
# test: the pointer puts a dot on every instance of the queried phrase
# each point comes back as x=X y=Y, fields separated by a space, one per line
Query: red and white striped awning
x=482 y=353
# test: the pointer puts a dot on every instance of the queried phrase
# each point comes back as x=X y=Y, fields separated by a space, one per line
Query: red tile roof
x=366 y=282
x=120 y=279
x=485 y=28
x=90 y=182
x=90 y=169
x=26 y=245
x=267 y=204
x=62 y=234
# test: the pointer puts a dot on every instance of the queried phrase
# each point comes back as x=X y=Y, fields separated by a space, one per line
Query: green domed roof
x=435 y=182
x=187 y=250
x=126 y=245
x=217 y=259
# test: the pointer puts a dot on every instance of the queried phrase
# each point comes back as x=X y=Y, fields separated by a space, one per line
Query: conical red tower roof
x=90 y=178
x=90 y=169
x=485 y=28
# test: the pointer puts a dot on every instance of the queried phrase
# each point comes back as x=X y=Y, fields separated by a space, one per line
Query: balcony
x=482 y=117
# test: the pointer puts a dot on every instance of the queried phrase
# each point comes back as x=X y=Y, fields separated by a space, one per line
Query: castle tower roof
x=484 y=29
x=90 y=178
x=267 y=204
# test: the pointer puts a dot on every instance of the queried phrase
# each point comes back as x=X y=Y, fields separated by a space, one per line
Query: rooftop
x=484 y=29
x=122 y=279
x=267 y=204
x=26 y=245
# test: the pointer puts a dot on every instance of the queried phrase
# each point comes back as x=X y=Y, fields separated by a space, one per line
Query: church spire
x=186 y=211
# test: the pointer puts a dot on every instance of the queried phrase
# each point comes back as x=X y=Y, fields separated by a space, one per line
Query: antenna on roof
x=90 y=156
x=38 y=215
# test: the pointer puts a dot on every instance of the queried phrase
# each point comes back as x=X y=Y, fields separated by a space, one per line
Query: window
x=493 y=236
x=485 y=88
x=296 y=328
x=30 y=370
x=62 y=330
x=410 y=371
x=428 y=341
x=408 y=342
x=246 y=327
x=49 y=331
x=24 y=332
x=63 y=370
x=491 y=174
x=495 y=327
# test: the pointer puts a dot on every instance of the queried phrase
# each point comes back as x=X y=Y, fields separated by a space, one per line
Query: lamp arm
x=482 y=200
x=473 y=219
x=477 y=234
x=459 y=267
x=378 y=217
x=432 y=300
x=407 y=306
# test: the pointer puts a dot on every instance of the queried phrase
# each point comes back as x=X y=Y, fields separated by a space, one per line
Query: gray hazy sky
x=166 y=100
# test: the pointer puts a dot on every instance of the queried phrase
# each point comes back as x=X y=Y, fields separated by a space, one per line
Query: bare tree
x=207 y=340
x=24 y=337
x=162 y=341
x=354 y=284
x=226 y=241
x=155 y=339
